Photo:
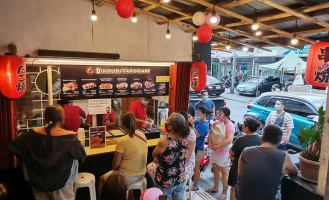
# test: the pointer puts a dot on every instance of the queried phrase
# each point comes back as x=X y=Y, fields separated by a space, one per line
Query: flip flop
x=220 y=197
x=194 y=188
x=211 y=190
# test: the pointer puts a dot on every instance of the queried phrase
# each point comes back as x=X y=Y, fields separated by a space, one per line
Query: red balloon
x=125 y=8
x=317 y=68
x=198 y=76
x=12 y=76
x=204 y=33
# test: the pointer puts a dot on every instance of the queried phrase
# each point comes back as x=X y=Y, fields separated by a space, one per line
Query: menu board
x=94 y=82
x=97 y=137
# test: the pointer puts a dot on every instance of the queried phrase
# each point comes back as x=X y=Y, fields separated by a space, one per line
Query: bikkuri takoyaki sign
x=93 y=82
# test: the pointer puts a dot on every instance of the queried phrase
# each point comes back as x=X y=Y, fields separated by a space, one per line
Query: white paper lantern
x=199 y=18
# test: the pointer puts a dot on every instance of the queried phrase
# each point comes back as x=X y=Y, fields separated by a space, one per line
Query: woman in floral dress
x=171 y=154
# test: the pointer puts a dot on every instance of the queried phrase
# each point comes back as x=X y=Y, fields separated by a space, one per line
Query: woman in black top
x=250 y=126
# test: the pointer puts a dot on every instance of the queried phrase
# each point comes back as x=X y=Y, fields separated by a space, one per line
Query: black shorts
x=232 y=180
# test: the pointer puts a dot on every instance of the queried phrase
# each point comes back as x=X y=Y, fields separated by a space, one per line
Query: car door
x=265 y=86
x=299 y=110
x=258 y=107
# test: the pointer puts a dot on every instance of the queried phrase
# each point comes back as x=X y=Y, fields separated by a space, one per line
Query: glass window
x=262 y=101
x=298 y=108
x=272 y=102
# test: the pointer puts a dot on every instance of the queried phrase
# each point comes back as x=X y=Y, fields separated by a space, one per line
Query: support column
x=323 y=184
x=233 y=71
x=204 y=50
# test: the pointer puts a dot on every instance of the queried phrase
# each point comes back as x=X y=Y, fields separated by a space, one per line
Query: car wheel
x=258 y=92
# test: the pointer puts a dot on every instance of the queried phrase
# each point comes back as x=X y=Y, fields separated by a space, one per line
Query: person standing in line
x=244 y=76
x=219 y=156
x=171 y=155
x=72 y=115
x=206 y=102
x=201 y=130
x=282 y=119
x=191 y=109
x=260 y=168
x=251 y=138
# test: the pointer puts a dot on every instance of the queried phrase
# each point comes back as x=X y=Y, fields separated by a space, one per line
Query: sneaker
x=194 y=188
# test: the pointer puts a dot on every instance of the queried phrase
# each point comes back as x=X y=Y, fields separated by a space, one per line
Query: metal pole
x=50 y=85
x=233 y=72
x=253 y=67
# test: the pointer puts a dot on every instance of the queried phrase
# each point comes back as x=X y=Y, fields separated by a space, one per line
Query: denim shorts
x=176 y=192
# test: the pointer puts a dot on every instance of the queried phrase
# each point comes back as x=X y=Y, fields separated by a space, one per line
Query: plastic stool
x=139 y=185
x=86 y=180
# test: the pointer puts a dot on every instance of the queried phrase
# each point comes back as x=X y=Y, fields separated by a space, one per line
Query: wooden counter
x=111 y=148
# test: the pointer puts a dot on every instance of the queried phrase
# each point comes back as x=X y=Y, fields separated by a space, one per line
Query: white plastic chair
x=86 y=180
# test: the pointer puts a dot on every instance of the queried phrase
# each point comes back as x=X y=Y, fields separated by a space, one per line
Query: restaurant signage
x=97 y=137
x=317 y=68
x=94 y=82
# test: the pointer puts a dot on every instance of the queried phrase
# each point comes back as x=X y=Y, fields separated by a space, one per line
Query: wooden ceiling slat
x=293 y=12
x=161 y=5
x=237 y=3
x=243 y=18
x=282 y=15
x=100 y=3
x=150 y=7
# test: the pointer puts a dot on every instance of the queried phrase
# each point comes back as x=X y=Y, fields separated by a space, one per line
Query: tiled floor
x=207 y=181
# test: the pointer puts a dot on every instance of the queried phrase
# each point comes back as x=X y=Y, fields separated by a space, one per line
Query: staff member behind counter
x=109 y=119
x=72 y=115
x=138 y=108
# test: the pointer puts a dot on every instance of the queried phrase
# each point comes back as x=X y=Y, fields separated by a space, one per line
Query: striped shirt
x=288 y=123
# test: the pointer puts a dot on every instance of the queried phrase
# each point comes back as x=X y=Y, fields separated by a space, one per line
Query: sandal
x=194 y=188
x=222 y=197
x=211 y=190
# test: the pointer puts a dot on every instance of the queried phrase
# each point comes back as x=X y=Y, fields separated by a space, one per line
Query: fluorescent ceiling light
x=114 y=63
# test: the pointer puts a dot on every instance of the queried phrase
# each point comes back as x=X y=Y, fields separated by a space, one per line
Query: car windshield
x=255 y=80
x=211 y=80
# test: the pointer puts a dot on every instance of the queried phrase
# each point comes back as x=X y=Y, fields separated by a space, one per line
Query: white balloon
x=199 y=18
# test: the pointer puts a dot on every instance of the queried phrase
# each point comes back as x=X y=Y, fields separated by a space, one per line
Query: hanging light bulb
x=168 y=35
x=93 y=13
x=245 y=49
x=166 y=1
x=213 y=18
x=255 y=25
x=228 y=47
x=294 y=39
x=134 y=18
x=258 y=33
x=194 y=37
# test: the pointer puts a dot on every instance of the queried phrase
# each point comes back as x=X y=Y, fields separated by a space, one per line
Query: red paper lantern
x=125 y=8
x=12 y=76
x=198 y=76
x=317 y=69
x=204 y=33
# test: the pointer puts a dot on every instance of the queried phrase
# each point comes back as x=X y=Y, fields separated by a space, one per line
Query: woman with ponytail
x=171 y=155
x=50 y=156
x=130 y=154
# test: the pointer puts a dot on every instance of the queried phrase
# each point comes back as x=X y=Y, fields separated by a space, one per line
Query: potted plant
x=310 y=138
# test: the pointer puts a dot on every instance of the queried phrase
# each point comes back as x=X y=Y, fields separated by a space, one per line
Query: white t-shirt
x=287 y=123
x=192 y=137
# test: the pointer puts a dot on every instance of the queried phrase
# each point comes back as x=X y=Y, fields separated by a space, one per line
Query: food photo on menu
x=71 y=86
x=136 y=85
x=88 y=86
x=149 y=84
x=105 y=86
x=122 y=85
x=162 y=87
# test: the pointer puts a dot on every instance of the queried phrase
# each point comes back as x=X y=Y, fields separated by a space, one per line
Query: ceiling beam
x=282 y=15
x=150 y=7
x=252 y=37
x=236 y=3
x=243 y=18
x=321 y=30
x=161 y=5
x=100 y=3
x=295 y=13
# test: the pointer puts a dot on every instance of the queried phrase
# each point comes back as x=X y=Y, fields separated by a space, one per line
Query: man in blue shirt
x=206 y=102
